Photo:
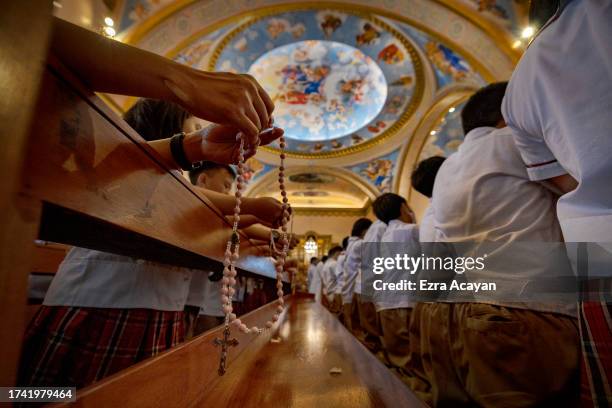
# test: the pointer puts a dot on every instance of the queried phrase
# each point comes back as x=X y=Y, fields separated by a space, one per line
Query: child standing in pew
x=422 y=180
x=368 y=318
x=352 y=265
x=105 y=312
x=496 y=351
x=330 y=279
x=319 y=295
x=558 y=107
x=340 y=281
x=394 y=309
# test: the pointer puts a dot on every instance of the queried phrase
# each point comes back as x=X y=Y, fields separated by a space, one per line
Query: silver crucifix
x=225 y=343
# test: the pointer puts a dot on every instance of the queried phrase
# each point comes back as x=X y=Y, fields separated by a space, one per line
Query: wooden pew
x=293 y=372
x=89 y=180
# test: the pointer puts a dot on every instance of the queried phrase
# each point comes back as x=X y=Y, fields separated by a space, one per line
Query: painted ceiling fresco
x=338 y=79
x=322 y=90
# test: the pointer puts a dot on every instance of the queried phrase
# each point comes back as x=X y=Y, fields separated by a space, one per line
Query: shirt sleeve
x=539 y=161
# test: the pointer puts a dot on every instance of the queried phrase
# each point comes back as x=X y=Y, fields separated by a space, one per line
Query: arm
x=564 y=183
x=258 y=232
x=110 y=66
x=213 y=143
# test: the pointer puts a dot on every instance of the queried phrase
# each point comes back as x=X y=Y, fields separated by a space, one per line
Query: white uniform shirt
x=319 y=281
x=482 y=193
x=313 y=279
x=212 y=298
x=352 y=265
x=88 y=278
x=408 y=234
x=427 y=231
x=329 y=278
x=374 y=234
x=340 y=273
x=558 y=104
x=205 y=294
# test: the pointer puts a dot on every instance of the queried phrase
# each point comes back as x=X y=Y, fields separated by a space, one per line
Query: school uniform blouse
x=397 y=232
x=205 y=294
x=558 y=104
x=483 y=194
x=88 y=278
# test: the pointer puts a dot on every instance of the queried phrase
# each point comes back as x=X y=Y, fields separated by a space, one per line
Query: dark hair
x=540 y=11
x=334 y=251
x=484 y=107
x=388 y=206
x=360 y=227
x=206 y=166
x=154 y=119
x=345 y=242
x=313 y=259
x=324 y=258
x=424 y=175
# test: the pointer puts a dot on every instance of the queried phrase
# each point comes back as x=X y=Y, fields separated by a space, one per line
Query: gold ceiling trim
x=500 y=37
x=411 y=107
x=259 y=185
x=331 y=212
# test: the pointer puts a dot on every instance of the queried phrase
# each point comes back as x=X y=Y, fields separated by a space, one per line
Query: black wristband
x=178 y=152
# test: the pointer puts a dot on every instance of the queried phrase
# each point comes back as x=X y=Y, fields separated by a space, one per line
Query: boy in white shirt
x=368 y=318
x=496 y=353
x=340 y=281
x=558 y=106
x=330 y=279
x=352 y=267
x=320 y=289
x=422 y=180
x=394 y=308
x=313 y=277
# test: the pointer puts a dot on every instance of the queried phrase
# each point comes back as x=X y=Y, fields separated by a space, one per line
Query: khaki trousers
x=394 y=324
x=351 y=317
x=369 y=322
x=475 y=354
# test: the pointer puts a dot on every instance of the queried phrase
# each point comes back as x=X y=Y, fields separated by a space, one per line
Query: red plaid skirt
x=596 y=366
x=72 y=346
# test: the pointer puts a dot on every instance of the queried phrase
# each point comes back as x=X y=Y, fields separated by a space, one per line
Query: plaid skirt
x=73 y=346
x=596 y=365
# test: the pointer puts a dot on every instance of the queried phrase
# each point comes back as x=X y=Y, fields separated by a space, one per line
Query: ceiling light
x=109 y=21
x=109 y=31
x=433 y=132
x=452 y=109
x=528 y=32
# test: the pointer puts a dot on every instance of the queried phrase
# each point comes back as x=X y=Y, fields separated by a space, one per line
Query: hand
x=246 y=220
x=219 y=143
x=267 y=209
x=235 y=100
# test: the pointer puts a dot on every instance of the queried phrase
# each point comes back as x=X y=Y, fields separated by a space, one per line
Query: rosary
x=232 y=255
